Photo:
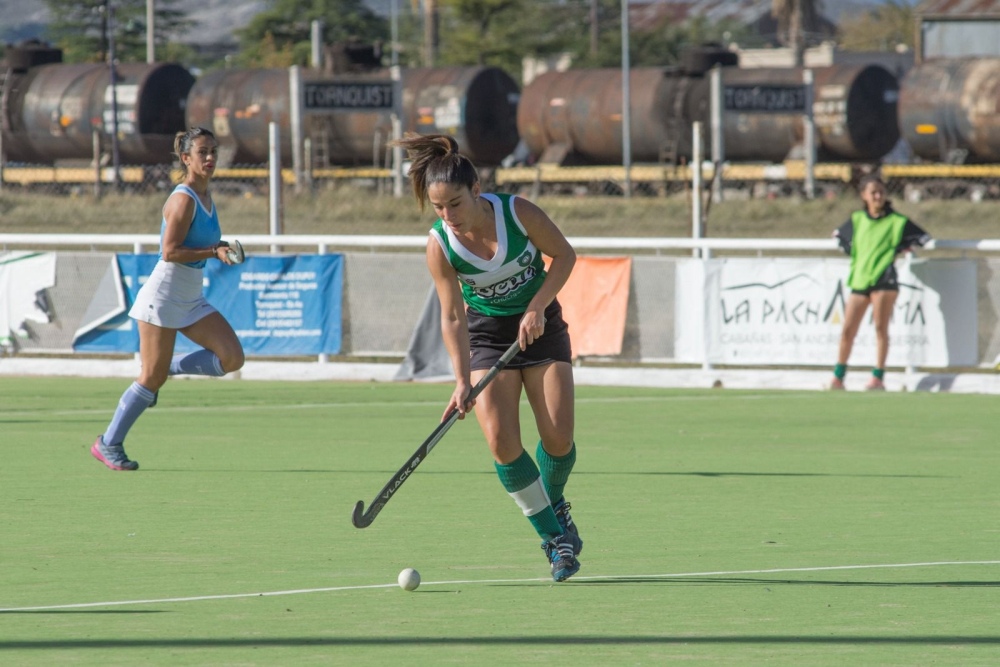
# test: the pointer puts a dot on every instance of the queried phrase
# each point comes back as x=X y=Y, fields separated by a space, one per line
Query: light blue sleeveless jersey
x=204 y=231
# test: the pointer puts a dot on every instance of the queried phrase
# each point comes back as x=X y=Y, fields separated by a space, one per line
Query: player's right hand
x=459 y=401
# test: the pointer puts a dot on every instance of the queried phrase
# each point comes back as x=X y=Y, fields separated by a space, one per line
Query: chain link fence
x=238 y=179
x=911 y=183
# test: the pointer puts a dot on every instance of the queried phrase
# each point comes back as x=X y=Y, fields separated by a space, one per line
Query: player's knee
x=153 y=380
x=233 y=360
x=558 y=444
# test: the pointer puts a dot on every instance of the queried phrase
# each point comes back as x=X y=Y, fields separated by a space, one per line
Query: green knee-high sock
x=522 y=481
x=555 y=470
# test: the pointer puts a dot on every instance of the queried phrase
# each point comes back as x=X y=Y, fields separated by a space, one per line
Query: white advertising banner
x=775 y=311
x=24 y=277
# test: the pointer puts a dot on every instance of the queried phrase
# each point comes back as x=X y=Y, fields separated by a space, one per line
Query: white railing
x=323 y=243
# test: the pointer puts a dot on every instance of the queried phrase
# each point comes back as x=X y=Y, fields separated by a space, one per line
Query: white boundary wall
x=978 y=382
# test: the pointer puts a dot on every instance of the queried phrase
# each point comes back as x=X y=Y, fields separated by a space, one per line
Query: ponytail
x=183 y=141
x=435 y=159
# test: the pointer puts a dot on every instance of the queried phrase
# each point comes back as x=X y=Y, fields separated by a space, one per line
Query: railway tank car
x=949 y=110
x=476 y=105
x=576 y=115
x=51 y=110
x=238 y=105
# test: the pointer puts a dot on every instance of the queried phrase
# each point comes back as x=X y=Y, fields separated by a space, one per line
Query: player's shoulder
x=525 y=208
x=181 y=200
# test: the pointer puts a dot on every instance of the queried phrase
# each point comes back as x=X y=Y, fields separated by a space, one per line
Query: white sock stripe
x=532 y=499
x=142 y=391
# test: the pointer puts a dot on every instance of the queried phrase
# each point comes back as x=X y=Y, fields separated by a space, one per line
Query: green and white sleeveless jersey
x=505 y=284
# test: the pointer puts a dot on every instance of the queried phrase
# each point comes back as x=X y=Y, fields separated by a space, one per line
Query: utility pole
x=594 y=31
x=109 y=28
x=103 y=9
x=150 y=31
x=430 y=32
x=795 y=36
x=394 y=30
x=626 y=102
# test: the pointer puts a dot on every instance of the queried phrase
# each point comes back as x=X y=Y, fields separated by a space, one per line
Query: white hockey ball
x=409 y=579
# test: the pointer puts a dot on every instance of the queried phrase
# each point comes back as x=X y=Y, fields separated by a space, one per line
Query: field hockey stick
x=235 y=252
x=362 y=518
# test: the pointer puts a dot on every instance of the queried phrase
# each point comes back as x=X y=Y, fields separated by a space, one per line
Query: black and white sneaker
x=562 y=509
x=561 y=554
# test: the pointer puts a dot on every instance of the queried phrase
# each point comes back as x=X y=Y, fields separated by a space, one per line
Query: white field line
x=381 y=405
x=464 y=582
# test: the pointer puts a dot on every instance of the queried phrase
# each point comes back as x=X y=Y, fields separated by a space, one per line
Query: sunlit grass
x=721 y=527
x=350 y=209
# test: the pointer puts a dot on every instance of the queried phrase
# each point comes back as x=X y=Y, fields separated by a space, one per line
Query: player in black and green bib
x=485 y=254
x=872 y=237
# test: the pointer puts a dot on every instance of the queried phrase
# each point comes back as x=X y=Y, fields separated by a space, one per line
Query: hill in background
x=217 y=19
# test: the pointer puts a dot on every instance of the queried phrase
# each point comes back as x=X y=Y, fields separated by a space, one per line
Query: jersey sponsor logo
x=502 y=290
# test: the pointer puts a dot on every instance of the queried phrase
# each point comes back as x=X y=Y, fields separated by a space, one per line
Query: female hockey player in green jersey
x=872 y=237
x=485 y=257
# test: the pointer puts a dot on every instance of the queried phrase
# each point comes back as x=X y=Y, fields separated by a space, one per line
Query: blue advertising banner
x=278 y=305
x=282 y=305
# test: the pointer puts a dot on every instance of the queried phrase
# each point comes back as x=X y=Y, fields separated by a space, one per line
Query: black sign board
x=765 y=99
x=347 y=96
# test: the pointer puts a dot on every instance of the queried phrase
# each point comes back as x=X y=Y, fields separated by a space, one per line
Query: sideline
x=670 y=378
x=608 y=578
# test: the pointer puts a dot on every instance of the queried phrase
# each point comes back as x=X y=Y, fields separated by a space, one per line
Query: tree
x=665 y=44
x=503 y=32
x=882 y=28
x=572 y=26
x=795 y=19
x=494 y=32
x=80 y=29
x=282 y=35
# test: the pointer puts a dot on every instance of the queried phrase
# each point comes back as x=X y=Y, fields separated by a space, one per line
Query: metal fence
x=74 y=180
x=914 y=182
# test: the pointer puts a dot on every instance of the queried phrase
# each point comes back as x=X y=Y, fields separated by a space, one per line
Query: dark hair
x=435 y=159
x=875 y=178
x=184 y=140
x=869 y=178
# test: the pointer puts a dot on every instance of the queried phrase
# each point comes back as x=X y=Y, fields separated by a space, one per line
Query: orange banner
x=595 y=302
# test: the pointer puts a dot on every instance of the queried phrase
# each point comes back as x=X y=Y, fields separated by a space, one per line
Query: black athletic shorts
x=489 y=338
x=887 y=282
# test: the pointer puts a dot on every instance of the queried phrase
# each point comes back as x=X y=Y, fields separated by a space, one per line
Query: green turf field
x=720 y=528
